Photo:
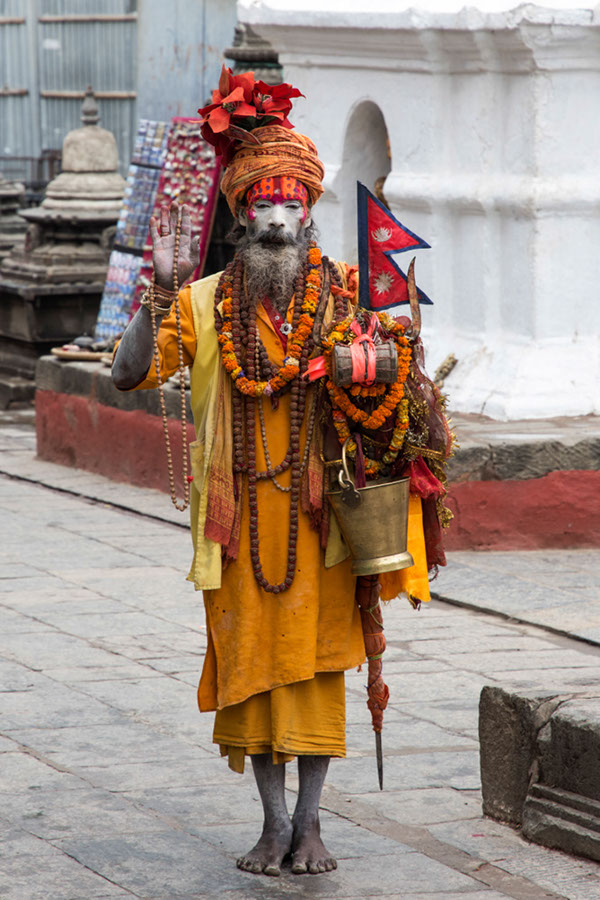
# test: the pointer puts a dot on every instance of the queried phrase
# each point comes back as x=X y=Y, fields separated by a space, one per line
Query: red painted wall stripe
x=560 y=510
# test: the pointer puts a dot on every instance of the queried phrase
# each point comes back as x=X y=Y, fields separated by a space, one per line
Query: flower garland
x=344 y=409
x=296 y=341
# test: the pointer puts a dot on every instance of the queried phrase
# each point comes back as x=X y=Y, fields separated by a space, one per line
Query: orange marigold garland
x=346 y=411
x=296 y=340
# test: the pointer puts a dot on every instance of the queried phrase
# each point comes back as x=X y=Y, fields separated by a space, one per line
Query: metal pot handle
x=350 y=494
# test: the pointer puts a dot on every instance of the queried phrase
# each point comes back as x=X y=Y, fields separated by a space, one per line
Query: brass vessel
x=374 y=522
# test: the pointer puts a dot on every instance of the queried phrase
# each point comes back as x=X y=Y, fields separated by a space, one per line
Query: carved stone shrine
x=50 y=288
x=12 y=226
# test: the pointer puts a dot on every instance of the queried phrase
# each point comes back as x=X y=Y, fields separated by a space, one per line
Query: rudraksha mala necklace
x=255 y=377
x=151 y=305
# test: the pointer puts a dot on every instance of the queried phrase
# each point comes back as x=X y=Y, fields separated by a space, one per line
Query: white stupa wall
x=494 y=136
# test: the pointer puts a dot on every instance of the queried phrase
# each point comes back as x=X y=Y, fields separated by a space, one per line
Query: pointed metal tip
x=379 y=752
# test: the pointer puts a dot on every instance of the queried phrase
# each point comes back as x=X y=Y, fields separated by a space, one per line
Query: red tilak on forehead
x=281 y=187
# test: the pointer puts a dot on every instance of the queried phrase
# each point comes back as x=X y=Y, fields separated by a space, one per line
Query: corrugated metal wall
x=19 y=127
x=47 y=58
x=144 y=58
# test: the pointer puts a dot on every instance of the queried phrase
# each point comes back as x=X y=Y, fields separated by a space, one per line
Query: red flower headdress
x=240 y=105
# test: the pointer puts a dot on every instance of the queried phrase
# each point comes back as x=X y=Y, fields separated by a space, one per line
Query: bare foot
x=309 y=853
x=266 y=857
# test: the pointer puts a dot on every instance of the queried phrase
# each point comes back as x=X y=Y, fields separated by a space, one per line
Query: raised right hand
x=162 y=232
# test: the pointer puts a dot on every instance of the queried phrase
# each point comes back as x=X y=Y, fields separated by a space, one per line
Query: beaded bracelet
x=149 y=300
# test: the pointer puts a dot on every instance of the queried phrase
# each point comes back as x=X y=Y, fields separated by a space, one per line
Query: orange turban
x=280 y=152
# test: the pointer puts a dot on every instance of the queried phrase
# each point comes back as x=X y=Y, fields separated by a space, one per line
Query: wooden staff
x=367 y=598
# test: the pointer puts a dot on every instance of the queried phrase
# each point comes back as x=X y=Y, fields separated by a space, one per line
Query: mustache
x=273 y=237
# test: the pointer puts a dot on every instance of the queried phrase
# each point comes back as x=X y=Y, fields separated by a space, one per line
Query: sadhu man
x=282 y=622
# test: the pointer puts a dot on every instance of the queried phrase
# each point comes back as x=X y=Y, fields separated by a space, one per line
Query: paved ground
x=110 y=785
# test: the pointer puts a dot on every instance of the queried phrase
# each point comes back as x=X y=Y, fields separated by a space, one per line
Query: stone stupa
x=51 y=287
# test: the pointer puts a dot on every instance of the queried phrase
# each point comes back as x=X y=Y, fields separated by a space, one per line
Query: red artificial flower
x=241 y=104
x=228 y=82
x=275 y=101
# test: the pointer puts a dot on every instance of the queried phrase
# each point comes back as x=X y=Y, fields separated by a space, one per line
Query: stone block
x=569 y=749
x=508 y=726
x=539 y=766
x=92 y=381
x=563 y=820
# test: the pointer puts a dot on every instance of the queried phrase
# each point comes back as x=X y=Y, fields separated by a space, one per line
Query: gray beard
x=271 y=269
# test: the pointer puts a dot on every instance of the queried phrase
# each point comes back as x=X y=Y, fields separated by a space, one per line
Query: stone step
x=15 y=391
x=539 y=765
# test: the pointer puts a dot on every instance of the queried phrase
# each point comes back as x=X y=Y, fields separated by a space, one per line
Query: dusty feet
x=266 y=857
x=309 y=853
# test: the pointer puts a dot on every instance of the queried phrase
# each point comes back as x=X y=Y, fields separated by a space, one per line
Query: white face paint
x=277 y=221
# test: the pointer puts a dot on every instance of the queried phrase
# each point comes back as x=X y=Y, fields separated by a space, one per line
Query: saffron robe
x=260 y=642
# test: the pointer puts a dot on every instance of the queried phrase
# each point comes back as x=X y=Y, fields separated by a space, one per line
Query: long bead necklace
x=182 y=395
x=297 y=409
x=273 y=471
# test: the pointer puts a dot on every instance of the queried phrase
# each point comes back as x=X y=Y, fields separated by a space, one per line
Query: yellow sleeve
x=167 y=342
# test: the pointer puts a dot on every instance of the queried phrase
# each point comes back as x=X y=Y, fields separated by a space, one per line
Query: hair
x=271 y=267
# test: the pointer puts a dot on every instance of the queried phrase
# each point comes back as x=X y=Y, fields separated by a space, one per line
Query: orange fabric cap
x=280 y=152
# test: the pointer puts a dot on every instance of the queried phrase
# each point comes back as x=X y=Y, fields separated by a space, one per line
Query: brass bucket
x=374 y=522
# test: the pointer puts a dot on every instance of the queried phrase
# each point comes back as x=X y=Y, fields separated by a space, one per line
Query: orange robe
x=274 y=664
x=263 y=647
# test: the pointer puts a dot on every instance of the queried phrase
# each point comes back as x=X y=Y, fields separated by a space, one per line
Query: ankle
x=304 y=820
x=277 y=825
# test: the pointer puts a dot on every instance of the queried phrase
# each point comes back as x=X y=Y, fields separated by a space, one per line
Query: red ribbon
x=364 y=359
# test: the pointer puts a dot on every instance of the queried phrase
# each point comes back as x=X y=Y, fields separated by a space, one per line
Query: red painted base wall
x=560 y=510
x=125 y=446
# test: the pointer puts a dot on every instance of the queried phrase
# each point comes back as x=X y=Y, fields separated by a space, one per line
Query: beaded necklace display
x=182 y=395
x=255 y=378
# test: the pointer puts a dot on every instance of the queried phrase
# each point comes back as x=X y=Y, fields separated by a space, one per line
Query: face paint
x=277 y=209
x=279 y=189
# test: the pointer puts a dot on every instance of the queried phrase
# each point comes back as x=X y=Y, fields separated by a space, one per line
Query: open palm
x=162 y=232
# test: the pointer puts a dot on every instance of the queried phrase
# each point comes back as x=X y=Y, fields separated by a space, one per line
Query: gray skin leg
x=309 y=854
x=275 y=841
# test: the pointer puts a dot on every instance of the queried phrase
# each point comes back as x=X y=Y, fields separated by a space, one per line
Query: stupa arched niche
x=366 y=157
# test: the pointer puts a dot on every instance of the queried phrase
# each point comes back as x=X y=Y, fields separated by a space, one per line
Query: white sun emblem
x=383 y=282
x=381 y=234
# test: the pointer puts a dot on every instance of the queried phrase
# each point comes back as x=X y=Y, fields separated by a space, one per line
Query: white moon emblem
x=381 y=234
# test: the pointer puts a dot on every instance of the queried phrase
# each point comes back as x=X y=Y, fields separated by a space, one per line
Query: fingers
x=154 y=229
x=186 y=219
x=174 y=215
x=165 y=225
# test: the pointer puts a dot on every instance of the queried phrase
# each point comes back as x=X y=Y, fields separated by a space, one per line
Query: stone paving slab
x=110 y=785
x=558 y=590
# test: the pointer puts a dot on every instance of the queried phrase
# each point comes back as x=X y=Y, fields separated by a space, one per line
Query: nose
x=276 y=216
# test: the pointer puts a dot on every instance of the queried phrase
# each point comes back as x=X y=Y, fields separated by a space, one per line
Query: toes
x=299 y=868
x=247 y=865
x=256 y=868
x=330 y=864
x=314 y=869
x=272 y=870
